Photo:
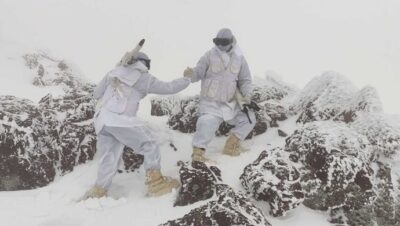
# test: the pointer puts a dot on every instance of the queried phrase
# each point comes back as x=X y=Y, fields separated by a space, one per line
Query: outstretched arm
x=175 y=86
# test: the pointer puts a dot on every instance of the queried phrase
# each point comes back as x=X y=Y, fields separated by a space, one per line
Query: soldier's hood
x=129 y=74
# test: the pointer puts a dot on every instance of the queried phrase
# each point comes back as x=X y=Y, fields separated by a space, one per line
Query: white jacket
x=221 y=74
x=121 y=90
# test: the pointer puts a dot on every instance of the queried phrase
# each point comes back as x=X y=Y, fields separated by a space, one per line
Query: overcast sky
x=298 y=39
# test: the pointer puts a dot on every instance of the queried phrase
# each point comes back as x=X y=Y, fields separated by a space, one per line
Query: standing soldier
x=117 y=126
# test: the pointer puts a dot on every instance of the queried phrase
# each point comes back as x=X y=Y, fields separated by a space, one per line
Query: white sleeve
x=160 y=87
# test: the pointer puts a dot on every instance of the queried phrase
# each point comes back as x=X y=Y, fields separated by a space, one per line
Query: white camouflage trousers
x=208 y=124
x=110 y=145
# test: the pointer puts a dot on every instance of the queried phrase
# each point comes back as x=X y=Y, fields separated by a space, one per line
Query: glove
x=188 y=73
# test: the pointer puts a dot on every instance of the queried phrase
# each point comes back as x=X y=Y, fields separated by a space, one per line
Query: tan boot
x=232 y=146
x=95 y=192
x=198 y=155
x=158 y=185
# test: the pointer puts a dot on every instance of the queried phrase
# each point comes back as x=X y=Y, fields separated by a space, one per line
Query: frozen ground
x=56 y=203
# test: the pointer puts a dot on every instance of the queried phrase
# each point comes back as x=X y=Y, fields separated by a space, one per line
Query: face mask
x=225 y=48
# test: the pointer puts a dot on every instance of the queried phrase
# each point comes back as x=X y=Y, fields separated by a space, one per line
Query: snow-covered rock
x=43 y=140
x=273 y=179
x=198 y=182
x=382 y=132
x=184 y=114
x=227 y=208
x=382 y=210
x=23 y=162
x=334 y=162
x=365 y=100
x=49 y=71
x=333 y=96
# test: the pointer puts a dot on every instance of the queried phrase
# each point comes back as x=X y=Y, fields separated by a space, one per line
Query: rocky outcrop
x=335 y=165
x=40 y=141
x=273 y=179
x=332 y=96
x=382 y=132
x=330 y=166
x=225 y=206
x=382 y=211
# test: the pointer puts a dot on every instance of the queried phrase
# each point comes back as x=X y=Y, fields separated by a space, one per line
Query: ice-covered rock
x=273 y=178
x=227 y=208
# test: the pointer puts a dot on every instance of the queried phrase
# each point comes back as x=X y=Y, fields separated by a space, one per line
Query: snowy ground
x=56 y=203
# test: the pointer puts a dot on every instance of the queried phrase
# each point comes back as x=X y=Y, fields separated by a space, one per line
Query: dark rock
x=161 y=106
x=198 y=182
x=229 y=208
x=273 y=179
x=224 y=129
x=132 y=161
x=281 y=133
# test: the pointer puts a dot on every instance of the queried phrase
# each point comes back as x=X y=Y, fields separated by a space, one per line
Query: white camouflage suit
x=116 y=124
x=221 y=73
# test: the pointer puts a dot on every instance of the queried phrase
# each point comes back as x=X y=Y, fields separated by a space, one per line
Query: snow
x=56 y=203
